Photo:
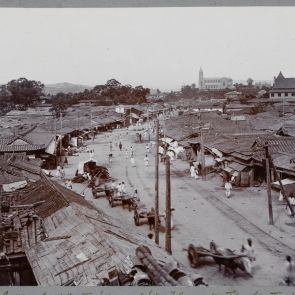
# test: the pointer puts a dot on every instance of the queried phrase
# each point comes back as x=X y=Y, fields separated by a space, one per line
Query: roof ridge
x=53 y=186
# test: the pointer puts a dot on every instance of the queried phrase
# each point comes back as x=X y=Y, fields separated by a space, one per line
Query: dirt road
x=199 y=217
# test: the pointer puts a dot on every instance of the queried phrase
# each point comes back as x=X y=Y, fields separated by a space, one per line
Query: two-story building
x=283 y=88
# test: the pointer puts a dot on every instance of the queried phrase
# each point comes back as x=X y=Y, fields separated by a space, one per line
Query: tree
x=250 y=82
x=61 y=101
x=4 y=94
x=113 y=83
x=25 y=92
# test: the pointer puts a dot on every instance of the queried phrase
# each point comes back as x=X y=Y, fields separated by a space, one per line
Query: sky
x=154 y=47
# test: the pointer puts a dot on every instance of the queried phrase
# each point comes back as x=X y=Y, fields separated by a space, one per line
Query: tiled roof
x=81 y=242
x=282 y=83
x=6 y=178
x=55 y=195
x=277 y=144
x=21 y=148
x=27 y=165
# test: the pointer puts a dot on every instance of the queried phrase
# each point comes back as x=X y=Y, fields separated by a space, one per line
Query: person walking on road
x=132 y=160
x=146 y=160
x=126 y=154
x=110 y=158
x=135 y=196
x=193 y=172
x=289 y=271
x=249 y=250
x=120 y=146
x=131 y=151
x=147 y=148
x=228 y=188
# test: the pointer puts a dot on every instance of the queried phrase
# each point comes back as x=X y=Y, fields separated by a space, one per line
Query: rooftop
x=283 y=83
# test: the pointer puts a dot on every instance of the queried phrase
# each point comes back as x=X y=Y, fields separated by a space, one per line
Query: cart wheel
x=136 y=220
x=192 y=256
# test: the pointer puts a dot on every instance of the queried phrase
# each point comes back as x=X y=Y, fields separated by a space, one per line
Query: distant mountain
x=65 y=88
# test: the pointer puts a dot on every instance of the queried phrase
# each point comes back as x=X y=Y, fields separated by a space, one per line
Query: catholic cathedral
x=213 y=83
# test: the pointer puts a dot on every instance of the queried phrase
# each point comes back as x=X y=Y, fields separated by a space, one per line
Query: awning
x=236 y=166
x=284 y=181
x=288 y=184
x=227 y=169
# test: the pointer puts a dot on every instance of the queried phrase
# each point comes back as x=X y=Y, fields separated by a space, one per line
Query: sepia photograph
x=147 y=146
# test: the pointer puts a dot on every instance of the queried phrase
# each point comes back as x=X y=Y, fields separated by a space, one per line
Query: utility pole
x=55 y=141
x=168 y=206
x=270 y=213
x=157 y=186
x=92 y=128
x=60 y=142
x=202 y=156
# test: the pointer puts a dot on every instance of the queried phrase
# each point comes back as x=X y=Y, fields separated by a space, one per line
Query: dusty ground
x=202 y=213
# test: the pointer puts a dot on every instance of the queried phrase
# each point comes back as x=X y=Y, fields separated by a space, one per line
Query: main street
x=200 y=215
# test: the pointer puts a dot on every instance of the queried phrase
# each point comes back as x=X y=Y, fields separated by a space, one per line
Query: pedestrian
x=126 y=154
x=228 y=188
x=289 y=271
x=58 y=169
x=249 y=250
x=131 y=151
x=132 y=160
x=120 y=146
x=192 y=170
x=146 y=160
x=110 y=158
x=135 y=195
x=118 y=188
x=123 y=189
x=140 y=137
x=66 y=161
x=62 y=173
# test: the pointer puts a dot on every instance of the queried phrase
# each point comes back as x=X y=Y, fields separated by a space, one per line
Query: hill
x=65 y=88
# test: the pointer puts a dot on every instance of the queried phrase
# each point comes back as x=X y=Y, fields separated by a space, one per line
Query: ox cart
x=123 y=199
x=144 y=215
x=231 y=261
x=98 y=191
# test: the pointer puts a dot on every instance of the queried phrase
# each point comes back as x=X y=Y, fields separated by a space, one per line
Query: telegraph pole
x=60 y=142
x=268 y=180
x=168 y=206
x=157 y=186
x=55 y=141
x=202 y=156
x=92 y=128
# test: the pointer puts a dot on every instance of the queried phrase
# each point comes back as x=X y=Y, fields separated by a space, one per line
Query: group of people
x=288 y=275
x=120 y=189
